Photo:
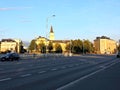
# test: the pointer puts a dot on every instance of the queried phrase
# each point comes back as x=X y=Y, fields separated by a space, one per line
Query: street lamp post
x=47 y=29
x=70 y=54
x=83 y=46
x=119 y=41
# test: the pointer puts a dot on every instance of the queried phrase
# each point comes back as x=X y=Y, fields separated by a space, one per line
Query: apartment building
x=10 y=45
x=105 y=45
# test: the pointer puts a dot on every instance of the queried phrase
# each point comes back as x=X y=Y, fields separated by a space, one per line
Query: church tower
x=52 y=36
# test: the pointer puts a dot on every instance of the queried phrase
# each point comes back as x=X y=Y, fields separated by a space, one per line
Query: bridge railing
x=37 y=56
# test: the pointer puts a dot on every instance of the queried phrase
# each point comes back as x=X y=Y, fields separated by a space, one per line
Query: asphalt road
x=89 y=72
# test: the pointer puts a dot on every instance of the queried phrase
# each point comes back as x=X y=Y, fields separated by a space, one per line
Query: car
x=118 y=55
x=10 y=57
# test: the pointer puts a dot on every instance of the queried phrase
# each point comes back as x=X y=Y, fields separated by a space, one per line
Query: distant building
x=63 y=44
x=10 y=45
x=51 y=39
x=105 y=45
x=52 y=36
x=41 y=39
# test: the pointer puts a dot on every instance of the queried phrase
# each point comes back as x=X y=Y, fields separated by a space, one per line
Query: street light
x=83 y=46
x=47 y=28
x=47 y=22
x=70 y=54
x=119 y=41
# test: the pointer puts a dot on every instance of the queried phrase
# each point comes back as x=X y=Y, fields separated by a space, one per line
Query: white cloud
x=13 y=8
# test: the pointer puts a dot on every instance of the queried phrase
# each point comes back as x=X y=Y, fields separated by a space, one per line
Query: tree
x=32 y=45
x=58 y=48
x=50 y=47
x=68 y=46
x=42 y=47
x=119 y=47
x=22 y=50
x=77 y=46
x=88 y=46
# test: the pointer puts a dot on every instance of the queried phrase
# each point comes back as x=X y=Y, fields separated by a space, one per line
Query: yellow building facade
x=63 y=44
x=105 y=45
x=10 y=45
x=52 y=36
x=51 y=39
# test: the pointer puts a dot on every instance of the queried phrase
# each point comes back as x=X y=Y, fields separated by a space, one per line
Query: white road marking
x=41 y=72
x=20 y=69
x=40 y=66
x=19 y=63
x=70 y=66
x=76 y=81
x=63 y=67
x=76 y=64
x=84 y=77
x=54 y=69
x=102 y=67
x=5 y=79
x=31 y=65
x=25 y=75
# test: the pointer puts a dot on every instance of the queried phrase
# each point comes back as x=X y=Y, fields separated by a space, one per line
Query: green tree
x=58 y=48
x=77 y=46
x=119 y=47
x=69 y=46
x=88 y=46
x=50 y=47
x=42 y=47
x=32 y=45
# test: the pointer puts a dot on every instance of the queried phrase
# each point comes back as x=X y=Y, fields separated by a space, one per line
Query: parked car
x=118 y=55
x=10 y=57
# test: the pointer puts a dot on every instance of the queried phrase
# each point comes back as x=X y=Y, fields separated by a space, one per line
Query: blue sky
x=75 y=19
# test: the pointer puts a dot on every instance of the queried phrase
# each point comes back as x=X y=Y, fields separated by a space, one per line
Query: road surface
x=88 y=72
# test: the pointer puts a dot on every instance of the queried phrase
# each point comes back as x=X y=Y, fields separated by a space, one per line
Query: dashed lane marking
x=70 y=66
x=63 y=67
x=5 y=79
x=102 y=67
x=25 y=75
x=41 y=72
x=54 y=69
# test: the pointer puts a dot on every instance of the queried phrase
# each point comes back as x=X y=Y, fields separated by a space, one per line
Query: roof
x=60 y=41
x=7 y=40
x=40 y=37
x=51 y=30
x=102 y=37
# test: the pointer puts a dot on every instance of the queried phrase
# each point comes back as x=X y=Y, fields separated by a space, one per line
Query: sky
x=74 y=19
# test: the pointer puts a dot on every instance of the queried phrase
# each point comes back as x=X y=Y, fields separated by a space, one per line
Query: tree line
x=80 y=46
x=74 y=46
